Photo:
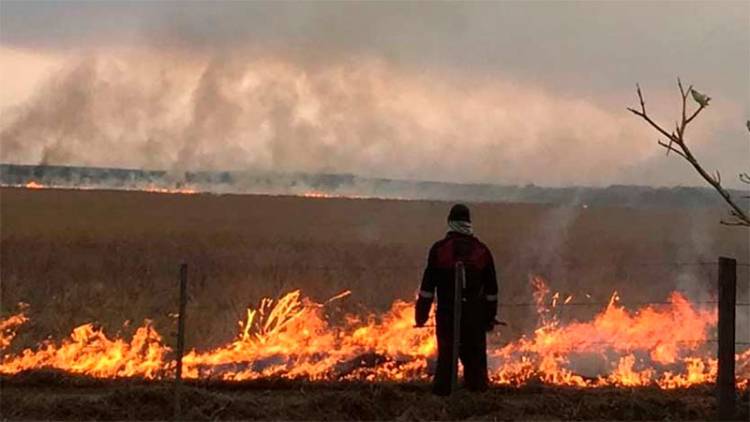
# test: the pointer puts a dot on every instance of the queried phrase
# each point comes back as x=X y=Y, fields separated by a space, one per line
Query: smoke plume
x=283 y=112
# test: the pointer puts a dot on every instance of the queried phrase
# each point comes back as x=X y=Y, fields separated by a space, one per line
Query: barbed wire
x=680 y=264
x=421 y=265
x=558 y=305
x=546 y=305
x=531 y=304
x=622 y=345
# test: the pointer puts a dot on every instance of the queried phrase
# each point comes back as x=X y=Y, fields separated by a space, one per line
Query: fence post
x=459 y=281
x=725 y=382
x=180 y=341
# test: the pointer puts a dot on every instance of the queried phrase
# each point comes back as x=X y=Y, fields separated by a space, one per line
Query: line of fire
x=668 y=345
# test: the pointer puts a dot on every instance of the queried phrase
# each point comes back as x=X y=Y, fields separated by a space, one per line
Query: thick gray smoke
x=277 y=112
x=503 y=92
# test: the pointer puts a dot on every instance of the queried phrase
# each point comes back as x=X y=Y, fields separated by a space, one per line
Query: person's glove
x=422 y=312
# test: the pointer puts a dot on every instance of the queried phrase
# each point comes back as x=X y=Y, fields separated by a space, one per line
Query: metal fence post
x=459 y=281
x=180 y=341
x=725 y=381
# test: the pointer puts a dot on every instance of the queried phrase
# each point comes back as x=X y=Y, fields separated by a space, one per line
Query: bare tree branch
x=643 y=114
x=740 y=216
x=670 y=148
x=733 y=223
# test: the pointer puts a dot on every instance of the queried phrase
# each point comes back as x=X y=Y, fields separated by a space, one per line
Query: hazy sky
x=502 y=92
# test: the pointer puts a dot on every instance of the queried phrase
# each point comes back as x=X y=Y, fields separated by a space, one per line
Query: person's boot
x=440 y=390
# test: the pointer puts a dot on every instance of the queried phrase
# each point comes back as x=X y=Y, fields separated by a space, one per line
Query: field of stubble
x=111 y=257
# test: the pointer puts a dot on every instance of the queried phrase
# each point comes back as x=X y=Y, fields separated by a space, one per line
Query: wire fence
x=559 y=304
x=420 y=266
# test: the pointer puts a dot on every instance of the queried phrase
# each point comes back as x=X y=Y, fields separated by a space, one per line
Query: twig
x=670 y=148
x=678 y=138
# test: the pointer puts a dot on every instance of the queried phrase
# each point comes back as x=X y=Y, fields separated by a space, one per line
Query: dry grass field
x=48 y=395
x=111 y=257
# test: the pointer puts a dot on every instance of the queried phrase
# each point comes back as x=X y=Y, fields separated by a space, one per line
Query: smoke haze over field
x=461 y=92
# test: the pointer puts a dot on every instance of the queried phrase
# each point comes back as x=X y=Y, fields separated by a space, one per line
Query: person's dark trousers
x=472 y=353
x=442 y=381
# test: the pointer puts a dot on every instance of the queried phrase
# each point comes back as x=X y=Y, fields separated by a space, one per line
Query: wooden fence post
x=180 y=342
x=725 y=382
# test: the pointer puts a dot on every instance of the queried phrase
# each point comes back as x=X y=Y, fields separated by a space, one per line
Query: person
x=479 y=301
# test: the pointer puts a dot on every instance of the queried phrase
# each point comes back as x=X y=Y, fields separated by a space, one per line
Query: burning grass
x=147 y=187
x=110 y=257
x=293 y=338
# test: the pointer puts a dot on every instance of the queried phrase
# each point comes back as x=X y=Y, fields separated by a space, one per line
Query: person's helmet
x=459 y=212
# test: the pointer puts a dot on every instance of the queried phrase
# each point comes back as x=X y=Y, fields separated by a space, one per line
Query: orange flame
x=316 y=194
x=148 y=188
x=154 y=188
x=89 y=351
x=157 y=189
x=331 y=195
x=34 y=185
x=292 y=337
x=8 y=328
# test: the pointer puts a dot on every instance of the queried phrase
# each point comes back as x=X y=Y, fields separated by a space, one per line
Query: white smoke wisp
x=261 y=112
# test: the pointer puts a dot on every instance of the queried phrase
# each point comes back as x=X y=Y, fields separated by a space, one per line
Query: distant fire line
x=32 y=184
x=153 y=188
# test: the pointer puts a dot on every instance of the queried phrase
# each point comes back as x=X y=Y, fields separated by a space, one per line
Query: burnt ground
x=51 y=395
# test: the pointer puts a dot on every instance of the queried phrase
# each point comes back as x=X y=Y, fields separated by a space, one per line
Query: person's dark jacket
x=480 y=292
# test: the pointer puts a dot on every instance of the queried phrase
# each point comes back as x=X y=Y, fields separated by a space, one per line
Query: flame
x=89 y=351
x=665 y=336
x=316 y=194
x=293 y=337
x=32 y=184
x=157 y=189
x=154 y=188
x=8 y=328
